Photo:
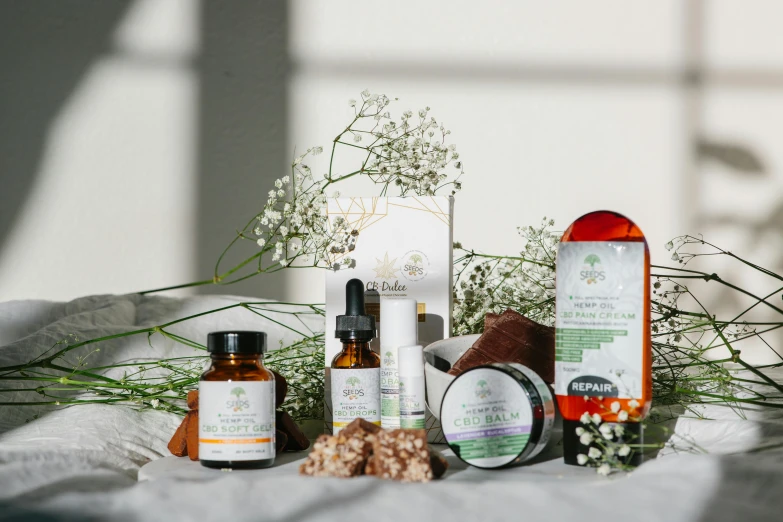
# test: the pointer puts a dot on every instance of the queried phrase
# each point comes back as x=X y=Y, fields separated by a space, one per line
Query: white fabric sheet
x=82 y=462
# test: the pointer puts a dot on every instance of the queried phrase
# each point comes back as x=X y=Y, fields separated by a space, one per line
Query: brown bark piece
x=402 y=455
x=193 y=400
x=297 y=440
x=192 y=418
x=178 y=445
x=281 y=439
x=281 y=389
x=513 y=338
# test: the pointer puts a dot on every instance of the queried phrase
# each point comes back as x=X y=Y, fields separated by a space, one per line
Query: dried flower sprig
x=64 y=375
x=526 y=283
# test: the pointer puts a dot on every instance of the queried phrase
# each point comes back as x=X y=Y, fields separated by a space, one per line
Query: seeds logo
x=415 y=265
x=482 y=389
x=592 y=271
x=238 y=404
x=353 y=389
x=388 y=359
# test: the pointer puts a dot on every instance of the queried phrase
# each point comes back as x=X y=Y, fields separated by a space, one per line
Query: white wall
x=557 y=108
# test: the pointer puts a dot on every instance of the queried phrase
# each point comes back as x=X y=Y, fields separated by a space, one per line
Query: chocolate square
x=513 y=338
x=336 y=456
x=402 y=455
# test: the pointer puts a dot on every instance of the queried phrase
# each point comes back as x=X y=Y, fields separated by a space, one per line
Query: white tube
x=411 y=372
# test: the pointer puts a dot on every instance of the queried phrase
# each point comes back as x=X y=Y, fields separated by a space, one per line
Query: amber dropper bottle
x=603 y=354
x=356 y=370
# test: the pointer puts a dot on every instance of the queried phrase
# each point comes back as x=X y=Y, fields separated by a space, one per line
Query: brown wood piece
x=178 y=445
x=192 y=418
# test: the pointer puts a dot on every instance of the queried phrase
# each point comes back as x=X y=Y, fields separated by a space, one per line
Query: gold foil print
x=422 y=311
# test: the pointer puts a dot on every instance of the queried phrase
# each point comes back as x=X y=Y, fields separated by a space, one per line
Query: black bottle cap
x=355 y=325
x=632 y=435
x=236 y=342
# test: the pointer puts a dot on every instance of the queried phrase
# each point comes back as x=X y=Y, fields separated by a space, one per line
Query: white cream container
x=497 y=415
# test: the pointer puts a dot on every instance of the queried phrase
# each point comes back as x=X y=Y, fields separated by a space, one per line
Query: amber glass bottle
x=603 y=351
x=356 y=370
x=237 y=404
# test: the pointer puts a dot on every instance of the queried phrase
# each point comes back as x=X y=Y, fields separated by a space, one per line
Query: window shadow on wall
x=45 y=49
x=242 y=142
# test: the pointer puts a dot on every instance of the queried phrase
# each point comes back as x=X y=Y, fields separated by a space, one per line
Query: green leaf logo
x=592 y=260
x=353 y=381
x=482 y=389
x=238 y=404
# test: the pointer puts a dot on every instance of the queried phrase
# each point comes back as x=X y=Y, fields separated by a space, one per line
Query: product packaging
x=603 y=349
x=403 y=250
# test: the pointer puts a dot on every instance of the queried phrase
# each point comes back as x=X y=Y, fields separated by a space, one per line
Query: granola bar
x=402 y=455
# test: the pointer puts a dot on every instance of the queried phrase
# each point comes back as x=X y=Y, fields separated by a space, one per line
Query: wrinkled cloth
x=82 y=462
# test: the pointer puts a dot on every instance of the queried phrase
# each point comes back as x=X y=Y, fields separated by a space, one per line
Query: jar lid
x=237 y=342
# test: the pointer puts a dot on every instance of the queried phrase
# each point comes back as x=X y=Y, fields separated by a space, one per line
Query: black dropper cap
x=355 y=325
x=236 y=342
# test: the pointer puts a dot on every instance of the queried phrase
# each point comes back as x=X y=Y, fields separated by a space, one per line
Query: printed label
x=412 y=402
x=355 y=395
x=390 y=389
x=236 y=420
x=487 y=418
x=600 y=315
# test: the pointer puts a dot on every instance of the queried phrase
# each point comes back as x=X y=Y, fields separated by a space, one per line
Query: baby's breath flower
x=594 y=453
x=619 y=430
x=581 y=459
x=604 y=470
x=615 y=407
x=580 y=430
x=606 y=431
x=155 y=403
x=596 y=418
x=586 y=439
x=622 y=416
x=633 y=404
x=585 y=418
x=624 y=450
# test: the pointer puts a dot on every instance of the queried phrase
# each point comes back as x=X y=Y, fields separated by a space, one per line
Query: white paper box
x=404 y=249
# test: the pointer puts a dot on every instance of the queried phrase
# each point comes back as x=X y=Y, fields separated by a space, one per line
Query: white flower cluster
x=607 y=449
x=301 y=364
x=493 y=284
x=293 y=225
x=411 y=154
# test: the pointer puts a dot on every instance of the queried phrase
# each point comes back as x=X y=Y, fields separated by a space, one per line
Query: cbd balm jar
x=237 y=404
x=497 y=415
